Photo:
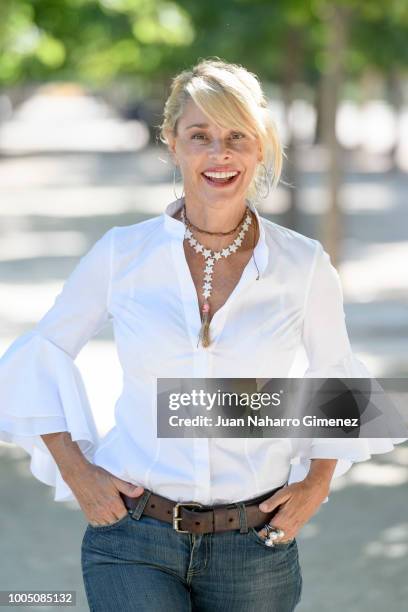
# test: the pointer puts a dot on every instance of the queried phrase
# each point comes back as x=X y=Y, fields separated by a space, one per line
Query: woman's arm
x=300 y=501
x=67 y=454
x=321 y=472
x=97 y=490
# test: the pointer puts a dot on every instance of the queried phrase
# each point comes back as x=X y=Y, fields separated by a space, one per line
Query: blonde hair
x=233 y=97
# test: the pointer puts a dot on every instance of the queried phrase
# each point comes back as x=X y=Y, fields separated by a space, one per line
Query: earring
x=174 y=185
x=266 y=180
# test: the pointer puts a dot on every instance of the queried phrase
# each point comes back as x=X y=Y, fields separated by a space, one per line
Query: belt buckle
x=176 y=516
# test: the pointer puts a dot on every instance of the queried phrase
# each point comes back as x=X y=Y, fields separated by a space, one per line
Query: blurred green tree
x=324 y=44
x=91 y=41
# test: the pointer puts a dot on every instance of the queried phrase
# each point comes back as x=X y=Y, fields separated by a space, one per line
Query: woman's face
x=203 y=150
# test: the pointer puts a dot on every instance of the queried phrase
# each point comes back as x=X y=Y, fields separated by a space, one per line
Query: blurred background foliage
x=126 y=51
x=97 y=41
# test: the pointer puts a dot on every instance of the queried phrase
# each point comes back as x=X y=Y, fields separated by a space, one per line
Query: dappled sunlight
x=365 y=196
x=378 y=475
x=379 y=268
x=373 y=126
x=63 y=117
x=106 y=135
x=374 y=474
x=360 y=197
x=313 y=200
x=378 y=124
x=85 y=202
x=25 y=244
x=392 y=543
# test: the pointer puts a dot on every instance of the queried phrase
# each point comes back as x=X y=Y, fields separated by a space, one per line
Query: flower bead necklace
x=211 y=257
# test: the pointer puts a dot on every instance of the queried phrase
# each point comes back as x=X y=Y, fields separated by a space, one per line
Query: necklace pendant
x=204 y=334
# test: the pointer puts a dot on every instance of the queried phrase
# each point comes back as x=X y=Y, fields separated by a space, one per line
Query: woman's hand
x=298 y=503
x=97 y=492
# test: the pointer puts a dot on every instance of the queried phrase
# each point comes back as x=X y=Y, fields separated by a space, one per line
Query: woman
x=208 y=289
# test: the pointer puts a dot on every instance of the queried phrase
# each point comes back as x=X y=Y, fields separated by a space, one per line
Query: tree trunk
x=336 y=19
x=291 y=75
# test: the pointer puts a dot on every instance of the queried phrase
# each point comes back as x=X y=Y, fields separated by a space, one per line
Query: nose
x=220 y=147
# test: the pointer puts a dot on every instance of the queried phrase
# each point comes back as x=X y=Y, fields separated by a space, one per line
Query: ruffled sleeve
x=41 y=387
x=329 y=353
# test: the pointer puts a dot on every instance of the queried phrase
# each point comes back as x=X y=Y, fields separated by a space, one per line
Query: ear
x=171 y=144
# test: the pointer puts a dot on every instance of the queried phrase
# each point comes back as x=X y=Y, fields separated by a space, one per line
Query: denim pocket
x=277 y=545
x=110 y=525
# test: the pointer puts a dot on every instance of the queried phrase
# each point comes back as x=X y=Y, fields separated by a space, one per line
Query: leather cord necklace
x=191 y=225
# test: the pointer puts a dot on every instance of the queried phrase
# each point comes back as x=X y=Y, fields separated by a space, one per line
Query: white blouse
x=137 y=278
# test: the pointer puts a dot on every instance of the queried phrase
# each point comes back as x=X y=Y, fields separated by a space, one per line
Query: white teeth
x=220 y=175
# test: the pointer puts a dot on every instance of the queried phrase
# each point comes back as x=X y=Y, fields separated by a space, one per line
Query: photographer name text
x=257 y=421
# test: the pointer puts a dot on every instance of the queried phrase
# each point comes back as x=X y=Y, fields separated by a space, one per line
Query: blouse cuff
x=346 y=451
x=44 y=393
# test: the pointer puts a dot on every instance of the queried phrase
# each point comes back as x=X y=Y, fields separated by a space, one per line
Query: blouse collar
x=176 y=228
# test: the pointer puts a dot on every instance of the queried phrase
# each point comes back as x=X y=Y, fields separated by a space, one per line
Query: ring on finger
x=273 y=533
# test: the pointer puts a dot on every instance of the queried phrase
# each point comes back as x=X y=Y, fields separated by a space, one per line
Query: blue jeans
x=143 y=565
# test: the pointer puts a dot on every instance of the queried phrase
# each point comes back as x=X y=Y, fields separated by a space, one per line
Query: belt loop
x=143 y=499
x=243 y=523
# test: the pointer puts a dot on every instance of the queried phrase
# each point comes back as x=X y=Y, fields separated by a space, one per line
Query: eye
x=198 y=136
x=237 y=135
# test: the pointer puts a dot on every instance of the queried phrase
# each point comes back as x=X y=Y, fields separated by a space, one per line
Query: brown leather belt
x=192 y=517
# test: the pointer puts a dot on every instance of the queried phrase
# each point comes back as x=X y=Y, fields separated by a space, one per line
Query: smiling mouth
x=220 y=181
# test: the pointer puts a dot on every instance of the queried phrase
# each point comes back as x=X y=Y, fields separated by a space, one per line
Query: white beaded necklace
x=211 y=257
